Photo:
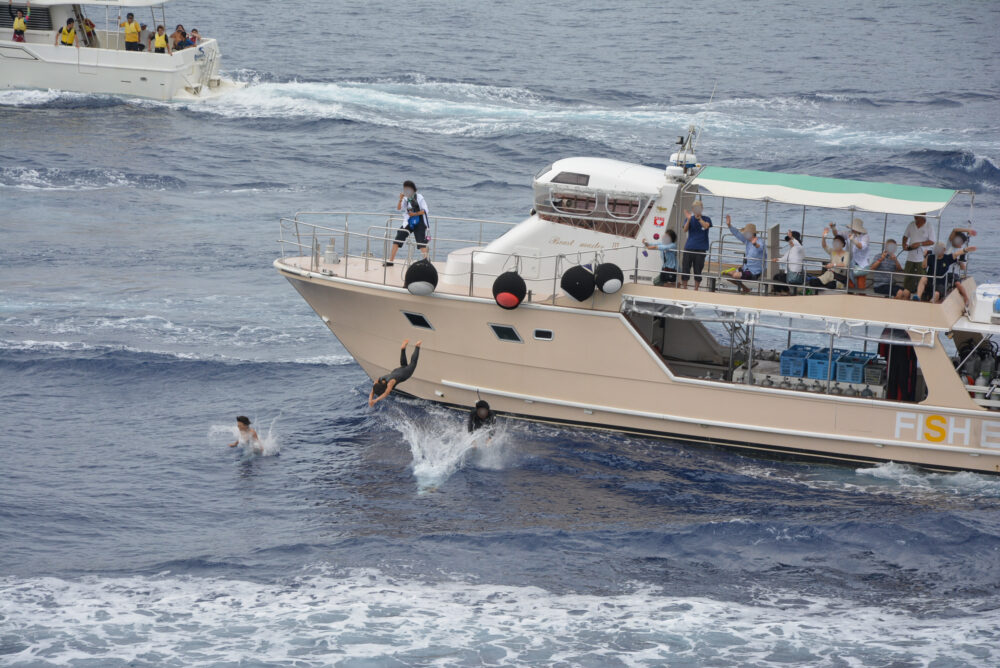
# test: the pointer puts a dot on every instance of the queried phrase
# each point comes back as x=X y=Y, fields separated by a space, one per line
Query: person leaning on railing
x=838 y=260
x=132 y=32
x=794 y=260
x=66 y=36
x=882 y=270
x=696 y=247
x=918 y=234
x=668 y=250
x=754 y=257
x=938 y=268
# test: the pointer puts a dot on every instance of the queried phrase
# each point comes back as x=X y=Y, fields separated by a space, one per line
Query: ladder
x=207 y=67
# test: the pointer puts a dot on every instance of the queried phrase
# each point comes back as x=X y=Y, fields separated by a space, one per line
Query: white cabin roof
x=608 y=175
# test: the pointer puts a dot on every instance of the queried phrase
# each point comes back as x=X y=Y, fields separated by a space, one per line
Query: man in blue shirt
x=753 y=260
x=668 y=272
x=696 y=247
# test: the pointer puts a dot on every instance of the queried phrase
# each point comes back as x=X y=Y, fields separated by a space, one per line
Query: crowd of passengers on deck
x=921 y=268
x=137 y=35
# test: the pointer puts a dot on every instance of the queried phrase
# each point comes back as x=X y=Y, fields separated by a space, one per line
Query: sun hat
x=858 y=225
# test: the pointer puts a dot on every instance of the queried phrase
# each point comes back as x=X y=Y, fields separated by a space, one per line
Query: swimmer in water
x=387 y=383
x=247 y=435
x=481 y=417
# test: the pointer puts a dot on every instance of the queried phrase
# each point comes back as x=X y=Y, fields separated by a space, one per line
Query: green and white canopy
x=822 y=192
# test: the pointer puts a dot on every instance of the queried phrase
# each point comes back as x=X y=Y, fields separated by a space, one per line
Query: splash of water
x=441 y=445
x=269 y=444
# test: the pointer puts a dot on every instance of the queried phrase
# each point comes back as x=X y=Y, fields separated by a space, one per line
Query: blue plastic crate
x=851 y=368
x=793 y=360
x=818 y=363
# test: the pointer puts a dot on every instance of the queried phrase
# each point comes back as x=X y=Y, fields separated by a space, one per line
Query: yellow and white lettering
x=905 y=421
x=955 y=430
x=991 y=434
x=934 y=429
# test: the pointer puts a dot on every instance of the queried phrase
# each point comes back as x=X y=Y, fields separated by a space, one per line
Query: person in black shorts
x=387 y=383
x=414 y=207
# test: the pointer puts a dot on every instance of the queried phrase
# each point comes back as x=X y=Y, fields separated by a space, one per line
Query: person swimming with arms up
x=387 y=383
x=247 y=435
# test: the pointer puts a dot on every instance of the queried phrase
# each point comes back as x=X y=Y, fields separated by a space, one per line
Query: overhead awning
x=823 y=192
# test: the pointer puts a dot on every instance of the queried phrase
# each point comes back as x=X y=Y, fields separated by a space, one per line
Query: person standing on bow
x=696 y=247
x=414 y=207
x=20 y=20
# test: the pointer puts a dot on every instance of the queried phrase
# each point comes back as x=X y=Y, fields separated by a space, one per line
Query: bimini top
x=822 y=192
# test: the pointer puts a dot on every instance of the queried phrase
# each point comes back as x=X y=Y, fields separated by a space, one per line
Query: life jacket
x=132 y=31
x=19 y=25
x=160 y=41
x=68 y=36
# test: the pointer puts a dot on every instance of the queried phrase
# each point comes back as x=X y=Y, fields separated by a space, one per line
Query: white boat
x=101 y=64
x=843 y=374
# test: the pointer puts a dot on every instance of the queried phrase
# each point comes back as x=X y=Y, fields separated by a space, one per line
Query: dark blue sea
x=140 y=313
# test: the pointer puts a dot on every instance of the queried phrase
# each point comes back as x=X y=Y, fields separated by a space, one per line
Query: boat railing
x=368 y=237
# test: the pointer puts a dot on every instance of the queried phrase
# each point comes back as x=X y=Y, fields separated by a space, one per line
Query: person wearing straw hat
x=753 y=260
x=918 y=234
x=857 y=244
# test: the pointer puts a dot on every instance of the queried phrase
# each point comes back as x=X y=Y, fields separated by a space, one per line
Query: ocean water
x=139 y=314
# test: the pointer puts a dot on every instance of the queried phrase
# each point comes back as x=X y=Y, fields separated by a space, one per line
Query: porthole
x=417 y=320
x=543 y=334
x=506 y=333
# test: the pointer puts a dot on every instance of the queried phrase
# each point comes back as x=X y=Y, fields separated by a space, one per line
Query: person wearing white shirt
x=918 y=234
x=857 y=241
x=794 y=261
x=414 y=208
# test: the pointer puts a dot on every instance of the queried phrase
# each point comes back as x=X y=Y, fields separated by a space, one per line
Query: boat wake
x=322 y=616
x=441 y=445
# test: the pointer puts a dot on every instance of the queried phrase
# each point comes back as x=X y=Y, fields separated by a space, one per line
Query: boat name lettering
x=947 y=430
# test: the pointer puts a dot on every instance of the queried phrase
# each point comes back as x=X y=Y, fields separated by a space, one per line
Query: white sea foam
x=323 y=617
x=32 y=345
x=887 y=478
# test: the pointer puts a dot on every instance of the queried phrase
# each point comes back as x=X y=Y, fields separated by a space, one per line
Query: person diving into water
x=247 y=435
x=387 y=383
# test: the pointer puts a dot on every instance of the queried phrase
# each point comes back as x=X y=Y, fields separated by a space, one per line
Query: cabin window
x=620 y=214
x=506 y=333
x=623 y=207
x=417 y=320
x=574 y=203
x=572 y=178
x=39 y=20
x=543 y=334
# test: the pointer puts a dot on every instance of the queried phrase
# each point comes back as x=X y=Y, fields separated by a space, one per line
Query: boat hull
x=598 y=372
x=33 y=66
